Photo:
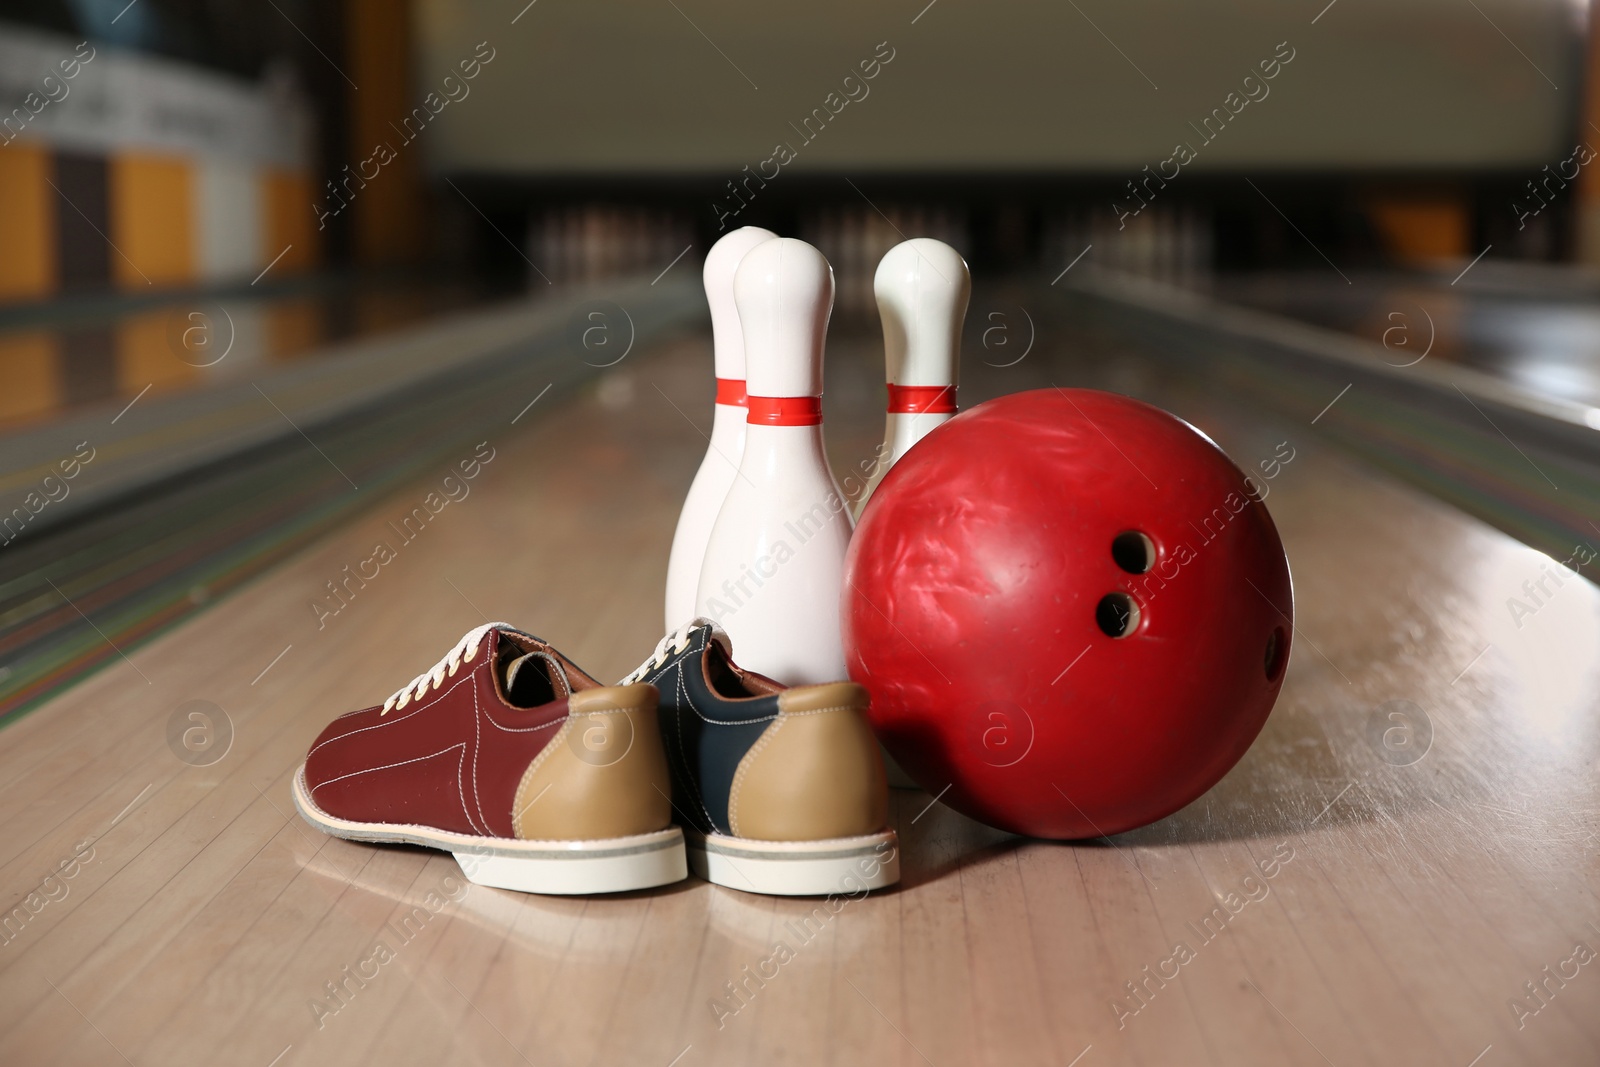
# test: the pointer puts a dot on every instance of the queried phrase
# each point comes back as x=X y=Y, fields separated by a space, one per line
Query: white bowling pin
x=721 y=462
x=922 y=287
x=775 y=559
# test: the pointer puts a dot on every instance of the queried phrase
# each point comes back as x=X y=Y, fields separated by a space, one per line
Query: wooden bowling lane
x=1360 y=890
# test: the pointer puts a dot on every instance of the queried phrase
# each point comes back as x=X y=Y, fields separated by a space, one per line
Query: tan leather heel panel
x=613 y=697
x=824 y=697
x=604 y=774
x=813 y=774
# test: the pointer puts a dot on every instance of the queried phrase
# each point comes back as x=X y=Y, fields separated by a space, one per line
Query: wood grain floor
x=1384 y=909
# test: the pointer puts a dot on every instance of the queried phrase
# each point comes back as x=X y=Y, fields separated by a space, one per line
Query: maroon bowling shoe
x=534 y=775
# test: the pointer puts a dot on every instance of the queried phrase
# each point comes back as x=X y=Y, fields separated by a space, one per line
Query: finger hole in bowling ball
x=1133 y=551
x=1117 y=615
x=1273 y=660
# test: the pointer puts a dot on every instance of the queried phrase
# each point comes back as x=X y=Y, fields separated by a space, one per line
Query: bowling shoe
x=534 y=775
x=778 y=789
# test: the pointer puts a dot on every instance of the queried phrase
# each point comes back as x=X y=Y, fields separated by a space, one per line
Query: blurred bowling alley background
x=224 y=225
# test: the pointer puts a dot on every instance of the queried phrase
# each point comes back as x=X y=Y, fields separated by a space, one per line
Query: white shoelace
x=671 y=645
x=464 y=650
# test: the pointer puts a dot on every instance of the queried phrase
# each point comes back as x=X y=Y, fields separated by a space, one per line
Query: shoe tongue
x=718 y=635
x=534 y=679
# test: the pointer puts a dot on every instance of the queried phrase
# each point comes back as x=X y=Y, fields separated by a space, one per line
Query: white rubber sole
x=845 y=866
x=565 y=868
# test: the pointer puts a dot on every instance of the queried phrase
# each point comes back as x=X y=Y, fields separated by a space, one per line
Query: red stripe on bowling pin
x=784 y=411
x=922 y=399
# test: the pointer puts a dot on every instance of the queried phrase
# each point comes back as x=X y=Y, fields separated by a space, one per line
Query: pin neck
x=784 y=411
x=731 y=392
x=922 y=399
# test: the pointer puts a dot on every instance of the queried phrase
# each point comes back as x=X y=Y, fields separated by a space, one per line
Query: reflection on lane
x=52 y=364
x=1546 y=344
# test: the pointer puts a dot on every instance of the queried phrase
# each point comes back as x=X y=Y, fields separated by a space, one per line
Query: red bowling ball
x=1071 y=609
